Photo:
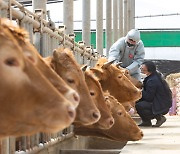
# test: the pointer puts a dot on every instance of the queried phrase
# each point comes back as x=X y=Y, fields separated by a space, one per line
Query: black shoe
x=160 y=121
x=145 y=124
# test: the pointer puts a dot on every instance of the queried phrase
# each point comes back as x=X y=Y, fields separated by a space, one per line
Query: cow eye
x=120 y=76
x=92 y=93
x=70 y=80
x=105 y=98
x=31 y=59
x=119 y=113
x=126 y=72
x=11 y=62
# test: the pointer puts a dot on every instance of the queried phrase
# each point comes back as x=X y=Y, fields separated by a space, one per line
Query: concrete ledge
x=88 y=151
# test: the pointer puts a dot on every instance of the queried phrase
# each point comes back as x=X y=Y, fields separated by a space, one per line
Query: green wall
x=161 y=38
x=149 y=38
x=93 y=38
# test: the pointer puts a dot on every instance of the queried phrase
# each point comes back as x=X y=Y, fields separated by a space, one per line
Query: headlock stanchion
x=45 y=37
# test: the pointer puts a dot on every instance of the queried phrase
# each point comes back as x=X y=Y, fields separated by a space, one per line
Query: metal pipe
x=115 y=31
x=120 y=18
x=132 y=14
x=99 y=26
x=86 y=31
x=40 y=4
x=125 y=17
x=68 y=16
x=108 y=25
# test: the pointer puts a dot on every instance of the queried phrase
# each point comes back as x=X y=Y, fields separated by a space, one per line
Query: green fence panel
x=161 y=38
x=93 y=38
x=149 y=38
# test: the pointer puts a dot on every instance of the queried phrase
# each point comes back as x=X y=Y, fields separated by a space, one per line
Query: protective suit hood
x=133 y=34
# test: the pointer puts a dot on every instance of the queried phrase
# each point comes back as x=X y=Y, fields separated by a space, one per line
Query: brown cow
x=130 y=106
x=124 y=128
x=32 y=54
x=113 y=80
x=29 y=102
x=65 y=65
x=136 y=82
x=106 y=121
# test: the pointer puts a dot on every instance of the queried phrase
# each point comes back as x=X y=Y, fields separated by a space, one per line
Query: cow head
x=32 y=54
x=29 y=103
x=66 y=67
x=124 y=128
x=106 y=121
x=113 y=80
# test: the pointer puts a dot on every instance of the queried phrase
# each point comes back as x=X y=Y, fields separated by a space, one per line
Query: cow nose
x=138 y=92
x=73 y=97
x=96 y=115
x=76 y=97
x=111 y=121
x=71 y=112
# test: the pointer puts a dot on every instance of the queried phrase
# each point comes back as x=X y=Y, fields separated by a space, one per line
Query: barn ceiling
x=29 y=2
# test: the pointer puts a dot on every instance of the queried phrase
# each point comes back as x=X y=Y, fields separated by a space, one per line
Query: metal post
x=6 y=12
x=12 y=145
x=120 y=18
x=115 y=30
x=125 y=17
x=68 y=16
x=99 y=26
x=108 y=26
x=86 y=31
x=40 y=4
x=5 y=146
x=132 y=14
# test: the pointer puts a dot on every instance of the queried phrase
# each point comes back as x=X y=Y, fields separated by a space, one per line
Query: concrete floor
x=162 y=140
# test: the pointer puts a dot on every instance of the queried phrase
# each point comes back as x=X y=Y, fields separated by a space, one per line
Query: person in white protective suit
x=130 y=51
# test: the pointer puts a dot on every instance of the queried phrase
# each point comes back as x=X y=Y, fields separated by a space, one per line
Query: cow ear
x=84 y=67
x=52 y=66
x=98 y=73
x=31 y=57
x=107 y=64
x=55 y=54
x=118 y=65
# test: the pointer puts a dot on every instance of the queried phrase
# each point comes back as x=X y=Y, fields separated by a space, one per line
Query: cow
x=29 y=102
x=136 y=82
x=65 y=65
x=32 y=54
x=106 y=121
x=113 y=80
x=124 y=128
x=130 y=106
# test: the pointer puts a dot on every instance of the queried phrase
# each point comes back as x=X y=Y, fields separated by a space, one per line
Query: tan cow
x=113 y=80
x=65 y=65
x=124 y=128
x=130 y=106
x=32 y=54
x=106 y=121
x=29 y=102
x=136 y=82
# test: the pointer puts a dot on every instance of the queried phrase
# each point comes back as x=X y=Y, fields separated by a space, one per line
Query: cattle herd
x=48 y=94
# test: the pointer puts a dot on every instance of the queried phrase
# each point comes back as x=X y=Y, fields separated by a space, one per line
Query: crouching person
x=156 y=96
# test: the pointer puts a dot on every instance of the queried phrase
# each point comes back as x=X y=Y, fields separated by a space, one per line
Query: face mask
x=129 y=44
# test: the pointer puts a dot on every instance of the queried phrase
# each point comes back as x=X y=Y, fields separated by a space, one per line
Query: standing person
x=156 y=96
x=130 y=51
